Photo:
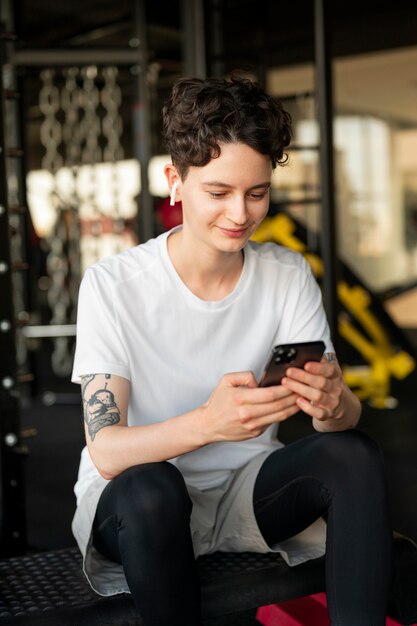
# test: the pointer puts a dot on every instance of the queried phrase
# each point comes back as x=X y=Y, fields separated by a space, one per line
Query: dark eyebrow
x=218 y=183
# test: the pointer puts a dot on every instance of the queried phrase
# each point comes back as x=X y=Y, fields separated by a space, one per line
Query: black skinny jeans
x=143 y=515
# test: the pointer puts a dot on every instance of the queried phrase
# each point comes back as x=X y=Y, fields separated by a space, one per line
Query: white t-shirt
x=138 y=320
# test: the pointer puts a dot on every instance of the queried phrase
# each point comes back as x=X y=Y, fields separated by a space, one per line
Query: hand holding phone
x=290 y=355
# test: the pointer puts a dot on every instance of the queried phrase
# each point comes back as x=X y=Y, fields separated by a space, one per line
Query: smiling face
x=224 y=201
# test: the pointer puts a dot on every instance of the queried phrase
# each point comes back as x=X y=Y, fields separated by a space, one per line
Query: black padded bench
x=50 y=589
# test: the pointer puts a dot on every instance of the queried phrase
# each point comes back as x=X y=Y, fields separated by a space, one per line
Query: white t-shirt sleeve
x=99 y=347
x=308 y=319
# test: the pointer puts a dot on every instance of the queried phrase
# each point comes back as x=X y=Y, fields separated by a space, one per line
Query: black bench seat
x=49 y=588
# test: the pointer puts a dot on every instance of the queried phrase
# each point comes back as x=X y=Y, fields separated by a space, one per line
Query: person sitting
x=182 y=454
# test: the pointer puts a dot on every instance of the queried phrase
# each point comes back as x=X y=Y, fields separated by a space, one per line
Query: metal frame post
x=324 y=90
x=12 y=501
x=142 y=126
x=194 y=47
x=217 y=66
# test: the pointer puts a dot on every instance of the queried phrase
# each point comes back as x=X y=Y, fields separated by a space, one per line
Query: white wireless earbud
x=173 y=193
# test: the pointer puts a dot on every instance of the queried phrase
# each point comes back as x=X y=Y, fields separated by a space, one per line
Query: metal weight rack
x=12 y=286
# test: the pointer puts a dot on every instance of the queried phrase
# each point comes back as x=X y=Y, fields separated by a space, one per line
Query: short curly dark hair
x=202 y=113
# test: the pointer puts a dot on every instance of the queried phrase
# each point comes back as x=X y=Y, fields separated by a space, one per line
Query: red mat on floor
x=308 y=611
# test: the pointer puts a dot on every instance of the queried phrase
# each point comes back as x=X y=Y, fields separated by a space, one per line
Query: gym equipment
x=379 y=350
x=50 y=588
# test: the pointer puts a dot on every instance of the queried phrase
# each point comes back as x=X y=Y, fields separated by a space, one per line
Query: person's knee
x=153 y=491
x=354 y=445
x=350 y=450
x=353 y=456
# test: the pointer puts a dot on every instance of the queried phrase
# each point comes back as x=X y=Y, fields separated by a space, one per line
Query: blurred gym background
x=81 y=158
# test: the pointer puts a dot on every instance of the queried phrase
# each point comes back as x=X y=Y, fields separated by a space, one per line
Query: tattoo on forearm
x=85 y=381
x=101 y=409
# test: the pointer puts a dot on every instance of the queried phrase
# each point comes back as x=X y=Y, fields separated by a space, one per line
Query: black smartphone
x=290 y=355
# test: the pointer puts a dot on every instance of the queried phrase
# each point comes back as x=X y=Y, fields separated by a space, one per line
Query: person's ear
x=173 y=180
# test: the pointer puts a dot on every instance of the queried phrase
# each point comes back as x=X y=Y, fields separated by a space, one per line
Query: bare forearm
x=120 y=447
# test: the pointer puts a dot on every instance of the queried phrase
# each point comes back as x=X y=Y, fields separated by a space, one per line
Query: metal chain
x=72 y=137
x=57 y=263
x=58 y=296
x=111 y=99
x=70 y=104
x=90 y=102
x=90 y=126
x=50 y=132
x=91 y=154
